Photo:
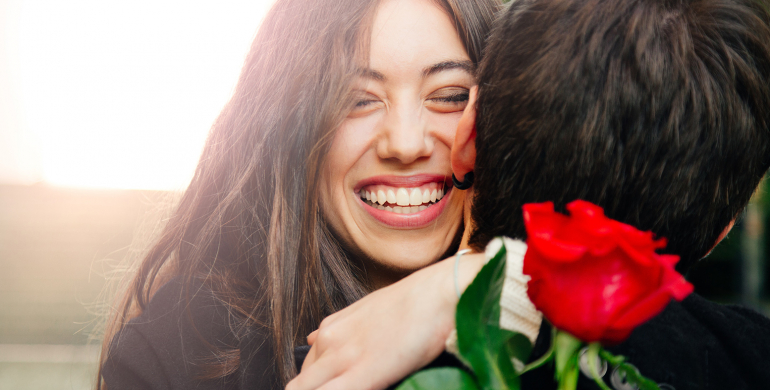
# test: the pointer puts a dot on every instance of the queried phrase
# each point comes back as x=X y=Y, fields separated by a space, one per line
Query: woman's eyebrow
x=428 y=71
x=448 y=65
x=372 y=74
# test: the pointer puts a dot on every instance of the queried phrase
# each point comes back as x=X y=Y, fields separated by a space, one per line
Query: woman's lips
x=404 y=202
x=403 y=181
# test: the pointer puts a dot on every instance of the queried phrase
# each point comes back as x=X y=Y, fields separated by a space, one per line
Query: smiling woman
x=337 y=99
x=386 y=190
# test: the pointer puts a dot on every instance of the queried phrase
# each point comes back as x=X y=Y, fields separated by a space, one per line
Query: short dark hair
x=656 y=110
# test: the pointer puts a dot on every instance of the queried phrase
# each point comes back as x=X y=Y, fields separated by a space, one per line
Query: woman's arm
x=388 y=334
x=401 y=328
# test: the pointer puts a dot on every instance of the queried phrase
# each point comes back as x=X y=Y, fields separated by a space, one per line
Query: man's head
x=656 y=110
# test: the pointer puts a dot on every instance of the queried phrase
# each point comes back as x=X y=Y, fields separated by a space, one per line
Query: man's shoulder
x=698 y=343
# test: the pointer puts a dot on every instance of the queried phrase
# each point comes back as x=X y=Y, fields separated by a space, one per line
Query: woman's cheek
x=445 y=126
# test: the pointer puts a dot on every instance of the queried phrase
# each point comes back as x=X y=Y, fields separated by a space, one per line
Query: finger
x=356 y=379
x=330 y=319
x=311 y=337
x=316 y=374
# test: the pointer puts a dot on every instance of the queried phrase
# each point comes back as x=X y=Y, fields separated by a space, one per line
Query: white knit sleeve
x=517 y=313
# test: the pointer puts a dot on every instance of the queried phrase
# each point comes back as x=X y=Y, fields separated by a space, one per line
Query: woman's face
x=386 y=189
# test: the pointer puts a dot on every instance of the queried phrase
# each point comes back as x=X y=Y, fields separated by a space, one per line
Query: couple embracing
x=324 y=190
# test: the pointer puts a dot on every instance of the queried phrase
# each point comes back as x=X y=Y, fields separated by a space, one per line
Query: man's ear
x=464 y=146
x=722 y=235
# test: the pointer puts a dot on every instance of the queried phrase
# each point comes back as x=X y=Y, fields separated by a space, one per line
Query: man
x=657 y=111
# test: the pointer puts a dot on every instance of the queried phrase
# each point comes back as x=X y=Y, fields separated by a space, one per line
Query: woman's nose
x=405 y=137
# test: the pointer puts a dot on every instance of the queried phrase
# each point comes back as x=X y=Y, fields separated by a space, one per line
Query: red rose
x=594 y=277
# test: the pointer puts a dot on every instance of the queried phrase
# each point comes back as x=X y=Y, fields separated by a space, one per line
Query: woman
x=532 y=148
x=283 y=223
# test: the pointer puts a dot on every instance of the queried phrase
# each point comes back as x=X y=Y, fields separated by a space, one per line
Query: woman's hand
x=388 y=334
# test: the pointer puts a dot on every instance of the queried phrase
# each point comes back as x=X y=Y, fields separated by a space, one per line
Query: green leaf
x=449 y=378
x=483 y=346
x=519 y=347
x=547 y=357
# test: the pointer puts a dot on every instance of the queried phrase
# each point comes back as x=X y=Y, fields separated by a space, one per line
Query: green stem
x=593 y=355
x=569 y=380
x=610 y=358
x=566 y=357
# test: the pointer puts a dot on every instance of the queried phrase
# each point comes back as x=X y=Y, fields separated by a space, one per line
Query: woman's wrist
x=464 y=270
x=438 y=281
x=468 y=267
x=457 y=276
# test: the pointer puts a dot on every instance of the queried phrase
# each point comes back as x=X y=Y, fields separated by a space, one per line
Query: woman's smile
x=404 y=202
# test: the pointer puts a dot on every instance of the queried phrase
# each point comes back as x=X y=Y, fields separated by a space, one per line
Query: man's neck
x=468 y=222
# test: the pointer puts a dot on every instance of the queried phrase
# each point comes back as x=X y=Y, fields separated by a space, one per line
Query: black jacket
x=161 y=350
x=695 y=344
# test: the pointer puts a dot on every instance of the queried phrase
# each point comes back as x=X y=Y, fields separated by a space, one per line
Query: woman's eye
x=364 y=103
x=460 y=97
x=448 y=99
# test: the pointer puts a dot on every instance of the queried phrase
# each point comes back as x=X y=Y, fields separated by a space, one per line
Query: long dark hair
x=248 y=226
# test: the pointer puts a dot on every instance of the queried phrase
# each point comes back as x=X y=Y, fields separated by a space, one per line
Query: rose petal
x=674 y=287
x=615 y=335
x=668 y=260
x=636 y=255
x=603 y=249
x=642 y=311
x=555 y=250
x=595 y=277
x=677 y=286
x=581 y=207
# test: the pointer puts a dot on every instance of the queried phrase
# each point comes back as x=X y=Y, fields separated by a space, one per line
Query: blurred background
x=104 y=108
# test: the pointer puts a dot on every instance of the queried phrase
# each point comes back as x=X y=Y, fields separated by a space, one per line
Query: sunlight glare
x=122 y=94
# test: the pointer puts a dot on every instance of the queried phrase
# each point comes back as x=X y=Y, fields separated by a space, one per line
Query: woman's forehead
x=413 y=38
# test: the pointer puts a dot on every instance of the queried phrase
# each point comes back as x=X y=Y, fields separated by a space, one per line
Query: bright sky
x=112 y=94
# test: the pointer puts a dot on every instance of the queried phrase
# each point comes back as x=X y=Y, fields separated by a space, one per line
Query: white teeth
x=402 y=197
x=415 y=198
x=409 y=200
x=391 y=197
